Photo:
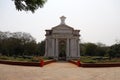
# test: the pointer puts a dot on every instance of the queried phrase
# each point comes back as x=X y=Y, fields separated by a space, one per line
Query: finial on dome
x=62 y=19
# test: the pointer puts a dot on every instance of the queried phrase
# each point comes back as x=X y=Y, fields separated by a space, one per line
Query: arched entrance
x=62 y=49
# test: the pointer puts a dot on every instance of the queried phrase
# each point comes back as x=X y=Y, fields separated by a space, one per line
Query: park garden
x=21 y=46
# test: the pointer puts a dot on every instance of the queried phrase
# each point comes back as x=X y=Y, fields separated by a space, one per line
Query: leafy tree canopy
x=29 y=5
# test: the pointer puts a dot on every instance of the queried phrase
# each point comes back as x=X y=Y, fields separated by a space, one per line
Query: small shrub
x=4 y=58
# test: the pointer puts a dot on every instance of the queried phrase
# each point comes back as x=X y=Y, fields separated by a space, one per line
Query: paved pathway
x=58 y=71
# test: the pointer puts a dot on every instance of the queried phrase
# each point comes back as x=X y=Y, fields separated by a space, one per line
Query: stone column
x=53 y=47
x=68 y=48
x=73 y=48
x=56 y=49
x=46 y=49
x=78 y=48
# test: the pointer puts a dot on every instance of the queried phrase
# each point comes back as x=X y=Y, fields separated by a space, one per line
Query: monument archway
x=62 y=49
x=62 y=42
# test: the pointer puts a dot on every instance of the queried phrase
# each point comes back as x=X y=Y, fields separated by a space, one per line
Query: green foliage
x=91 y=49
x=4 y=58
x=20 y=44
x=17 y=44
x=29 y=5
x=15 y=59
x=41 y=48
x=114 y=51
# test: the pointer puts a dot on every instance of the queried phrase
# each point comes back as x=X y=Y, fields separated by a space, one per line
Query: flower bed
x=80 y=64
x=20 y=63
x=38 y=64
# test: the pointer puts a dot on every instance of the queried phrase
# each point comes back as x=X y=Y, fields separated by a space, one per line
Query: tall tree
x=90 y=49
x=114 y=51
x=17 y=44
x=41 y=48
x=29 y=5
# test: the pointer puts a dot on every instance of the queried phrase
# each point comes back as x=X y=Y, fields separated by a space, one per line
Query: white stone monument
x=62 y=42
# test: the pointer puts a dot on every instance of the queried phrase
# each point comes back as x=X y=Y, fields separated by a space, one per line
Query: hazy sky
x=98 y=20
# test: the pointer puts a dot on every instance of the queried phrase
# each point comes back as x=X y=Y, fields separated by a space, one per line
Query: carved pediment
x=62 y=29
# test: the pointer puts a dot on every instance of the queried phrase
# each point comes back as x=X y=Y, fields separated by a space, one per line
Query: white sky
x=98 y=20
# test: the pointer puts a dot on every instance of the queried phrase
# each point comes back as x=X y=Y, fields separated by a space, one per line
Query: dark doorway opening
x=62 y=50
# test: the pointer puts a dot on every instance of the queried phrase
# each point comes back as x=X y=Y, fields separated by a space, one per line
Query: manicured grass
x=16 y=59
x=87 y=60
x=24 y=59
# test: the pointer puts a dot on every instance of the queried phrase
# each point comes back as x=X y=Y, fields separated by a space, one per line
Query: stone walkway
x=58 y=71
